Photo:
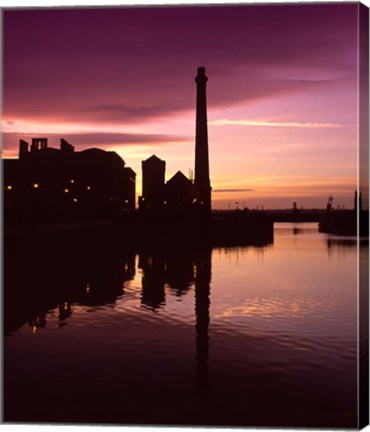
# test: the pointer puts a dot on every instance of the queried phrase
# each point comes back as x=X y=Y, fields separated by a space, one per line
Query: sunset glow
x=282 y=109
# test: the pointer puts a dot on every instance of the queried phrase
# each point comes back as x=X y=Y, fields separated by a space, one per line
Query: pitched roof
x=181 y=184
x=153 y=159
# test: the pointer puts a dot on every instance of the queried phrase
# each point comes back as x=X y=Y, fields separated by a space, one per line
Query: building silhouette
x=51 y=186
x=181 y=194
x=46 y=185
x=153 y=179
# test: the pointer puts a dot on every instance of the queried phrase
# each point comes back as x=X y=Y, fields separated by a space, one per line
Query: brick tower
x=201 y=179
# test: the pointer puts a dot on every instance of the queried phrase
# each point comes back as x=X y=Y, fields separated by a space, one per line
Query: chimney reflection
x=202 y=276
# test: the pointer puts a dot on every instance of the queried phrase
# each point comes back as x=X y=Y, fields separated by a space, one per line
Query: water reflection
x=339 y=246
x=341 y=243
x=98 y=276
x=202 y=332
x=180 y=273
x=39 y=321
x=50 y=279
x=94 y=274
x=296 y=228
x=153 y=281
x=180 y=270
x=202 y=274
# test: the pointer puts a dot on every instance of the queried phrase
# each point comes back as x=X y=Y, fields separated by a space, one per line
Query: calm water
x=257 y=336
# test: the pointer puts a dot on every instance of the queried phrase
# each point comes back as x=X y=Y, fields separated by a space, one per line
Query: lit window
x=9 y=187
x=66 y=190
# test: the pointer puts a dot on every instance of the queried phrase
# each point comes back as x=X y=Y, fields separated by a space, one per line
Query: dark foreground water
x=247 y=336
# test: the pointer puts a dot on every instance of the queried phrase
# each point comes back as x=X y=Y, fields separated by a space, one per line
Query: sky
x=282 y=92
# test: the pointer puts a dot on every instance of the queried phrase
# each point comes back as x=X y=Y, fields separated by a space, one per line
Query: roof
x=179 y=183
x=154 y=159
x=100 y=156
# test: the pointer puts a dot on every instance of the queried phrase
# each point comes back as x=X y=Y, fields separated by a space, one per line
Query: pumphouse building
x=182 y=194
x=46 y=185
x=177 y=194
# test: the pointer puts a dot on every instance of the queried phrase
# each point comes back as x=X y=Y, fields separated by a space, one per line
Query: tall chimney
x=201 y=179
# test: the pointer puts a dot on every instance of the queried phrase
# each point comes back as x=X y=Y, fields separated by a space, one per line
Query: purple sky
x=282 y=92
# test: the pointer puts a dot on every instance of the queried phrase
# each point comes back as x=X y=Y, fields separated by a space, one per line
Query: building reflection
x=38 y=321
x=65 y=311
x=179 y=270
x=297 y=231
x=342 y=246
x=95 y=276
x=105 y=281
x=174 y=269
x=57 y=278
x=153 y=281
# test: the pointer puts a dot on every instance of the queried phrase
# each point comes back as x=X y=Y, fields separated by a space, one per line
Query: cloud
x=232 y=190
x=10 y=140
x=131 y=113
x=123 y=138
x=139 y=63
x=260 y=123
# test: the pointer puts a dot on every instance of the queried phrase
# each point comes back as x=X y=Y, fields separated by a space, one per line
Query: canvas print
x=185 y=215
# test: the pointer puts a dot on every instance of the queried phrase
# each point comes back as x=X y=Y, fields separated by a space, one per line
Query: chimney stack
x=202 y=180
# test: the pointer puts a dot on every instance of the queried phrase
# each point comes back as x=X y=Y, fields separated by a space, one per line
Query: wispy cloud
x=259 y=123
x=135 y=114
x=232 y=190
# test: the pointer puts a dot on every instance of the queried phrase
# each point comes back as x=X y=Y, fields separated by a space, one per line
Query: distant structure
x=47 y=184
x=346 y=222
x=181 y=194
x=296 y=210
x=357 y=202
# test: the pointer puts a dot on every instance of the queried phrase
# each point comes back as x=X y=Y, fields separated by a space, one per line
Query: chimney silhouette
x=201 y=179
